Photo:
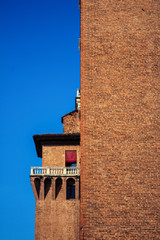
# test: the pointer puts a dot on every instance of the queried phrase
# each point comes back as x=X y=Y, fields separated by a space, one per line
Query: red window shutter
x=70 y=156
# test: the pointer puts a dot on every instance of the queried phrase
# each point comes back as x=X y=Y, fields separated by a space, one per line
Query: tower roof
x=70 y=113
x=55 y=140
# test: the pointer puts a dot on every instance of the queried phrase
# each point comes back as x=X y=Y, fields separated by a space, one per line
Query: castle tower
x=120 y=170
x=56 y=185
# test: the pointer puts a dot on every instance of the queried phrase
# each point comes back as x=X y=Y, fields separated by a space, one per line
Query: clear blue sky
x=39 y=74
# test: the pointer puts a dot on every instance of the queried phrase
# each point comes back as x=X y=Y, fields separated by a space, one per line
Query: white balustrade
x=55 y=171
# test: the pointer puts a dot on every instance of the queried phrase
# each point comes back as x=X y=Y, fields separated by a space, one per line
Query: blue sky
x=39 y=75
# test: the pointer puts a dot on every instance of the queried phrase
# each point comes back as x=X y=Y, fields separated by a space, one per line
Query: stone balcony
x=55 y=171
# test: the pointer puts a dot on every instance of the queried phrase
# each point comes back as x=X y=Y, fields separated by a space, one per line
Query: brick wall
x=54 y=156
x=71 y=122
x=58 y=218
x=119 y=119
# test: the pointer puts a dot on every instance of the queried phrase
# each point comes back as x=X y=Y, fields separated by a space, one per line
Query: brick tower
x=56 y=184
x=120 y=171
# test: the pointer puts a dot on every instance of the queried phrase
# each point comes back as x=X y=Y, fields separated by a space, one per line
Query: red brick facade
x=71 y=122
x=120 y=173
x=54 y=156
x=57 y=213
x=56 y=217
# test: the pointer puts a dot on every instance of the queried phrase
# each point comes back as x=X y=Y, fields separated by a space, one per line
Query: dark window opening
x=71 y=164
x=58 y=186
x=70 y=188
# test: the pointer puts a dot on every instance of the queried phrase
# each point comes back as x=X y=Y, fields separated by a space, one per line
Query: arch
x=37 y=183
x=58 y=185
x=70 y=188
x=47 y=186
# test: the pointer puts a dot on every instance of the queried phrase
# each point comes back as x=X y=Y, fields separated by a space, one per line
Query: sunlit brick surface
x=120 y=171
x=54 y=156
x=58 y=219
x=57 y=214
x=71 y=122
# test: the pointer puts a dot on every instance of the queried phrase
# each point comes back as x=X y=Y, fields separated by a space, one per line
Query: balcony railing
x=55 y=171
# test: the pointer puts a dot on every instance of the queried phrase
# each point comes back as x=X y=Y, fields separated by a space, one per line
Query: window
x=70 y=188
x=71 y=158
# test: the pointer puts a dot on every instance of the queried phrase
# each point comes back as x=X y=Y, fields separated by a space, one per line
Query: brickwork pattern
x=71 y=123
x=120 y=173
x=54 y=156
x=56 y=218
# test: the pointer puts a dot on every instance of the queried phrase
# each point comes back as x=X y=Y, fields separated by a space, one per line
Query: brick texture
x=120 y=173
x=54 y=156
x=58 y=218
x=71 y=122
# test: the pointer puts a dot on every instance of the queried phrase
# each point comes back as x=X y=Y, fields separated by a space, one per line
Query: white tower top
x=78 y=100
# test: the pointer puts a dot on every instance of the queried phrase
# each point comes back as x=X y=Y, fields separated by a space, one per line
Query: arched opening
x=58 y=185
x=37 y=185
x=47 y=186
x=70 y=188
